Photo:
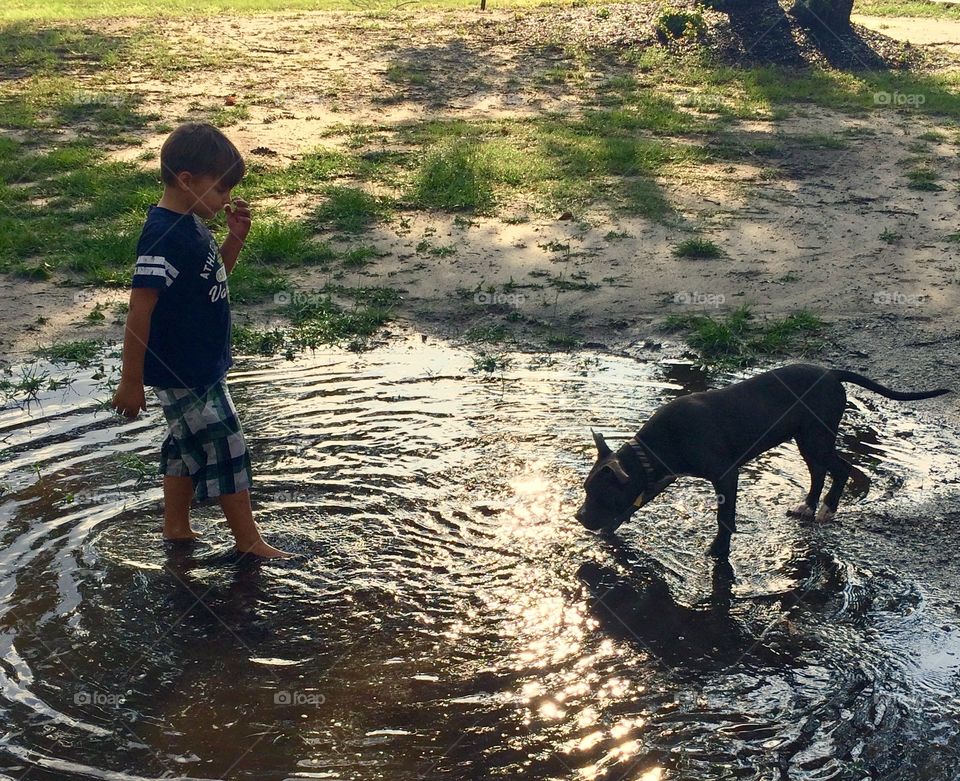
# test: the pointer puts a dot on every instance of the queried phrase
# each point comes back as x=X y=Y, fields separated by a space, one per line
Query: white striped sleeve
x=154 y=271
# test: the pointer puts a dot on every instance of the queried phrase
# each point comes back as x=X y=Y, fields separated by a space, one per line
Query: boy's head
x=202 y=165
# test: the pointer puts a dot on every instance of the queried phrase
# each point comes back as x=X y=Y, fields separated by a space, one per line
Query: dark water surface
x=448 y=618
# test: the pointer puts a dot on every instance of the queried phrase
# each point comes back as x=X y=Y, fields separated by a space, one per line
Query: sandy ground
x=800 y=228
x=941 y=33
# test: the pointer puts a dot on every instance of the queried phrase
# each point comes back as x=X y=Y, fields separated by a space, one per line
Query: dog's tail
x=876 y=387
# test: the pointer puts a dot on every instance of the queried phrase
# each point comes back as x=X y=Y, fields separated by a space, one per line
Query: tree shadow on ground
x=764 y=32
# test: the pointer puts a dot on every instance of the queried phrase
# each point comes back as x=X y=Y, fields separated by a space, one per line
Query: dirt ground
x=836 y=231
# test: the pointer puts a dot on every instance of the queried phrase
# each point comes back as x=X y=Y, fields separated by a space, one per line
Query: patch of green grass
x=90 y=9
x=779 y=336
x=559 y=74
x=737 y=338
x=488 y=333
x=251 y=282
x=358 y=257
x=322 y=321
x=561 y=339
x=375 y=296
x=889 y=236
x=350 y=209
x=96 y=316
x=400 y=73
x=820 y=141
x=71 y=210
x=229 y=115
x=19 y=165
x=36 y=272
x=646 y=110
x=739 y=146
x=258 y=341
x=645 y=198
x=454 y=176
x=310 y=174
x=25 y=387
x=45 y=103
x=572 y=283
x=42 y=50
x=81 y=352
x=318 y=319
x=673 y=24
x=923 y=178
x=763 y=88
x=932 y=136
x=558 y=162
x=285 y=241
x=489 y=363
x=697 y=248
x=920 y=8
x=134 y=465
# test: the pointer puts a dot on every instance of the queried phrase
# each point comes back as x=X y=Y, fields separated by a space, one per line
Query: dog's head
x=613 y=489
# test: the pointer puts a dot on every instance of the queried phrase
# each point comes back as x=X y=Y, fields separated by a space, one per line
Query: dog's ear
x=602 y=448
x=614 y=466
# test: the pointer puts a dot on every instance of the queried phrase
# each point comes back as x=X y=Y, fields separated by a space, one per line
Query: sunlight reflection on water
x=448 y=617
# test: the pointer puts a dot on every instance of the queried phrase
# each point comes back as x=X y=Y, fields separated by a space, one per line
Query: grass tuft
x=697 y=248
x=350 y=209
x=737 y=339
x=81 y=352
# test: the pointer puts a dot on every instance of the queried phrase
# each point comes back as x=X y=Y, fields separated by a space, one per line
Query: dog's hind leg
x=726 y=488
x=839 y=472
x=815 y=447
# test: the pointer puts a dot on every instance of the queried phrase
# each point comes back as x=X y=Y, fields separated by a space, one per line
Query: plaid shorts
x=204 y=441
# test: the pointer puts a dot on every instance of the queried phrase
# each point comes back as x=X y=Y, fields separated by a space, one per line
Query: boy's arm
x=238 y=223
x=130 y=398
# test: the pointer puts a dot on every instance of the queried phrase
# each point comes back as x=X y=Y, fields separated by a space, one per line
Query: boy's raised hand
x=238 y=218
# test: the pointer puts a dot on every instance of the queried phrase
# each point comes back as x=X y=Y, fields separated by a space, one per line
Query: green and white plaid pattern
x=204 y=441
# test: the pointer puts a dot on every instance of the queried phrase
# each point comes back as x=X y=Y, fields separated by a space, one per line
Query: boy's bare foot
x=180 y=536
x=265 y=550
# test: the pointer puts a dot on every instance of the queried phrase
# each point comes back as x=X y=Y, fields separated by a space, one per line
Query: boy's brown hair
x=203 y=150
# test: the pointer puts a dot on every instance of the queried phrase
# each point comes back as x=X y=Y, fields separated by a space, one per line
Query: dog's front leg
x=726 y=488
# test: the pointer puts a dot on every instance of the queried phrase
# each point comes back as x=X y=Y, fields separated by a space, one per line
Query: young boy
x=177 y=336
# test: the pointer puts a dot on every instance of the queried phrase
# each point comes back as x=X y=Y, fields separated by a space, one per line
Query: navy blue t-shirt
x=189 y=344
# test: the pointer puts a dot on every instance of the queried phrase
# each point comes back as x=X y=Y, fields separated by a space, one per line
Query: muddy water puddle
x=448 y=619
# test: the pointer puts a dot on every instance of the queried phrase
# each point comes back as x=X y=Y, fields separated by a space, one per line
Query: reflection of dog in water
x=635 y=604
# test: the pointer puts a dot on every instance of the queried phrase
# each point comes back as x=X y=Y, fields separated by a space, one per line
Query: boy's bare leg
x=177 y=498
x=239 y=515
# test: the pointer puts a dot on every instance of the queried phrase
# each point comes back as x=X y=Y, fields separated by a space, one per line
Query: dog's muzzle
x=624 y=516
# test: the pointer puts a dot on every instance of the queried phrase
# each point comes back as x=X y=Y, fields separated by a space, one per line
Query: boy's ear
x=184 y=180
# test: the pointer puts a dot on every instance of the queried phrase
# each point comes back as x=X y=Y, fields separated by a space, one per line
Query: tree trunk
x=831 y=14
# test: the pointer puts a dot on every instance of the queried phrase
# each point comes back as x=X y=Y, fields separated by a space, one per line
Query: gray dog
x=712 y=434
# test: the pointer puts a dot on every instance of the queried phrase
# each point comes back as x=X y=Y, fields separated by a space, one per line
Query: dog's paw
x=825 y=514
x=803 y=511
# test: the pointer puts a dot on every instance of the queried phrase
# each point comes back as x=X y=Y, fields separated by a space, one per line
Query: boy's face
x=208 y=194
